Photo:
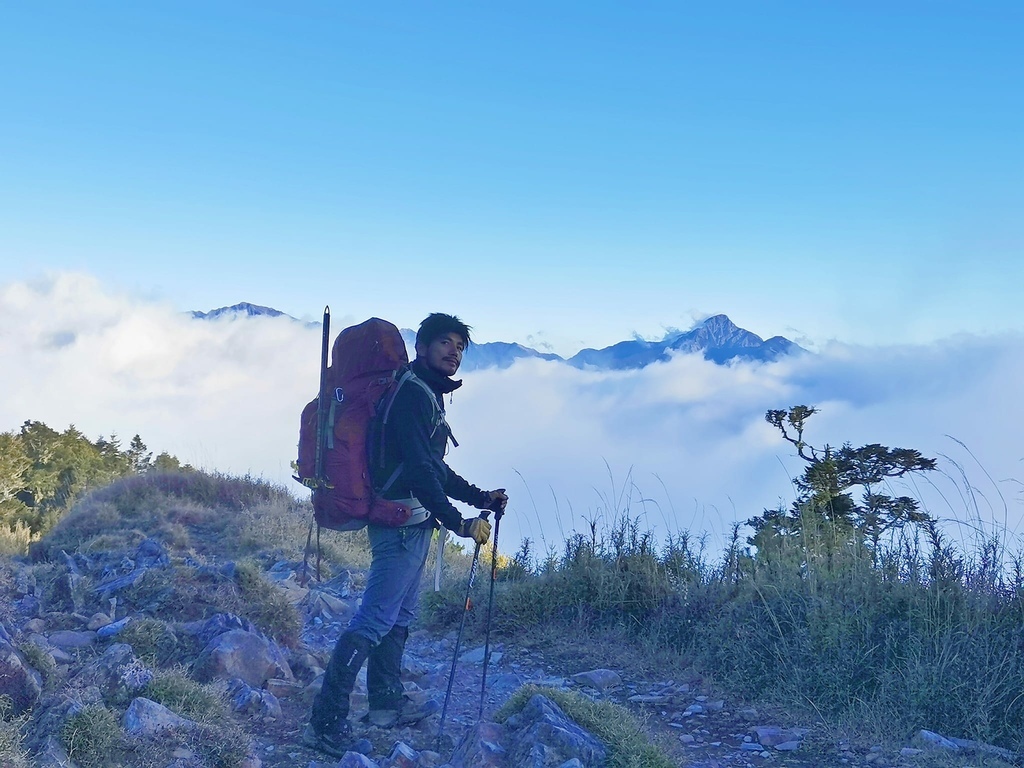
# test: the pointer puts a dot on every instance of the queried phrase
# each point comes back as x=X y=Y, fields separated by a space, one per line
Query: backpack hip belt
x=418 y=513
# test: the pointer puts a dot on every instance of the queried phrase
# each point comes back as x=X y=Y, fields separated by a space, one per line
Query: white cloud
x=683 y=444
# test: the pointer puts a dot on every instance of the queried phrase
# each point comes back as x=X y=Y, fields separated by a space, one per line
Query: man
x=411 y=469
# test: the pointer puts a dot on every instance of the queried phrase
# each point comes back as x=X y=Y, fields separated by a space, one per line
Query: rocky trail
x=90 y=662
x=693 y=726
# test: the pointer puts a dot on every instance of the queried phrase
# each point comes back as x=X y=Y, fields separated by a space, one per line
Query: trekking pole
x=498 y=513
x=458 y=639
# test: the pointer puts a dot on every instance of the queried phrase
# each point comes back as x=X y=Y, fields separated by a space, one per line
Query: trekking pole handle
x=495 y=507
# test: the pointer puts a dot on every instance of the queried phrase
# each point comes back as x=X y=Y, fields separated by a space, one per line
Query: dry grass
x=12 y=754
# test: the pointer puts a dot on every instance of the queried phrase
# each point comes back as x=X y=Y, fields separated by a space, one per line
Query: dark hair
x=438 y=324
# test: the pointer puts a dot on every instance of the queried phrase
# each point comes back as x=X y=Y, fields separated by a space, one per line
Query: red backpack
x=360 y=381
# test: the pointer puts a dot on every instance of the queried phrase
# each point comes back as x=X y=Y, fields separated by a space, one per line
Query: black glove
x=495 y=501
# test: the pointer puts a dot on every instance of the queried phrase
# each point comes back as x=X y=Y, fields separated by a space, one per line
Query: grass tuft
x=621 y=733
x=180 y=693
x=91 y=735
x=151 y=640
x=12 y=754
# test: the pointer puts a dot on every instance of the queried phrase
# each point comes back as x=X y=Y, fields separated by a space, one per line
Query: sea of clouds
x=682 y=445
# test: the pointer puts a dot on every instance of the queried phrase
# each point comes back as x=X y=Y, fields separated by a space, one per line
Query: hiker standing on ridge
x=415 y=439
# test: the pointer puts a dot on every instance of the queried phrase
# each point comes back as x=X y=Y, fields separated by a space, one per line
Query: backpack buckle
x=339 y=395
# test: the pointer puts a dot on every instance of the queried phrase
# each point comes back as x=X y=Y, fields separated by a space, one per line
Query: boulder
x=402 y=756
x=147 y=718
x=53 y=755
x=18 y=679
x=356 y=760
x=481 y=747
x=600 y=679
x=67 y=638
x=245 y=655
x=256 y=703
x=542 y=735
x=118 y=673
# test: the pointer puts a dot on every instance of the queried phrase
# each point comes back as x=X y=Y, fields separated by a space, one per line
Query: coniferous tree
x=825 y=512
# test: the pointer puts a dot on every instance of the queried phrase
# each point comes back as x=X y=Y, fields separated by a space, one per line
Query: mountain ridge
x=717 y=338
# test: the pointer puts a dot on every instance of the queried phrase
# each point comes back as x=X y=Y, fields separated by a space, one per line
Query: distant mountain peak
x=242 y=308
x=717 y=338
x=719 y=323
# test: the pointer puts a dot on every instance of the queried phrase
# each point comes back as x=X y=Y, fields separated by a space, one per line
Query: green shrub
x=91 y=737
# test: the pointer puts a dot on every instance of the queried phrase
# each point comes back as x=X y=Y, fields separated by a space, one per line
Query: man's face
x=443 y=354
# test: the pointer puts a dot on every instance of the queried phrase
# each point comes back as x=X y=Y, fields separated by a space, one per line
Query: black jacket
x=416 y=437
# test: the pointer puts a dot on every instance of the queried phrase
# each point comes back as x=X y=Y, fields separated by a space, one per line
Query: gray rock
x=245 y=655
x=256 y=703
x=476 y=656
x=773 y=735
x=339 y=586
x=600 y=679
x=98 y=620
x=982 y=748
x=788 y=746
x=53 y=755
x=112 y=628
x=481 y=747
x=325 y=606
x=542 y=735
x=118 y=673
x=931 y=740
x=402 y=756
x=70 y=639
x=356 y=760
x=147 y=718
x=112 y=586
x=151 y=554
x=18 y=679
x=282 y=689
x=218 y=624
x=650 y=698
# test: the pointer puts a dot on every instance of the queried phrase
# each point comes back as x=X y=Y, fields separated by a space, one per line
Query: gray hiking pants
x=392 y=595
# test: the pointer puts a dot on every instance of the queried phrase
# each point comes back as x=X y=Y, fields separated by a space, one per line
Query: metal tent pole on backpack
x=319 y=480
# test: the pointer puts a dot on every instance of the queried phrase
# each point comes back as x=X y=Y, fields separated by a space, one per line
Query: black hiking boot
x=407 y=713
x=338 y=743
x=329 y=730
x=384 y=670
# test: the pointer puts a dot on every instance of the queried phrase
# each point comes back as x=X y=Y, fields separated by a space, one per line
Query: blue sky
x=847 y=174
x=561 y=174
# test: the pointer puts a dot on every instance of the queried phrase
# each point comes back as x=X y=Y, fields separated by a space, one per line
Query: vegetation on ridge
x=43 y=472
x=851 y=606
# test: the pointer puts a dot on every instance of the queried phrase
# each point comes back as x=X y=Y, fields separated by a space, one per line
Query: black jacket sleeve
x=459 y=488
x=423 y=473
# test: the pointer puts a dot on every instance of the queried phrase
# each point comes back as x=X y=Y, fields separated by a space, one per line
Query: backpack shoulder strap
x=409 y=376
